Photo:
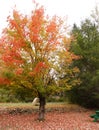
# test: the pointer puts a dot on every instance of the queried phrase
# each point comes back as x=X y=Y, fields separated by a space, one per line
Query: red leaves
x=71 y=120
x=39 y=12
x=12 y=57
x=18 y=24
x=35 y=25
x=40 y=66
x=13 y=23
x=39 y=69
x=19 y=71
x=4 y=81
x=51 y=28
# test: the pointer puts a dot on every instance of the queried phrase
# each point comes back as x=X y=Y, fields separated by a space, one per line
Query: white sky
x=75 y=10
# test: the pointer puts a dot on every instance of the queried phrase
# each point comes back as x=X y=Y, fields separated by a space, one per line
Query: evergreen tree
x=86 y=46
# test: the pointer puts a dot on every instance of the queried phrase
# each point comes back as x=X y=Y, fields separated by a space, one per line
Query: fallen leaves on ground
x=55 y=120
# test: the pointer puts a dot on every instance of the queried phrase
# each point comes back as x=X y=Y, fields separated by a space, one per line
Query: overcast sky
x=75 y=10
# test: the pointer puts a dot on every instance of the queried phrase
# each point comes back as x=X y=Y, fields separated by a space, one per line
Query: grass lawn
x=16 y=108
x=30 y=105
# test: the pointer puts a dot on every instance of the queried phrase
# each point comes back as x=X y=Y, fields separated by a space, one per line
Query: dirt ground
x=55 y=120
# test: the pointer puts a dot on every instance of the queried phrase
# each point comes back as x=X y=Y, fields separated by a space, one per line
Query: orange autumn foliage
x=30 y=44
x=4 y=81
x=39 y=67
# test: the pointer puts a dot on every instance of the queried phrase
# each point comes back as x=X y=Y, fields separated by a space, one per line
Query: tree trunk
x=41 y=107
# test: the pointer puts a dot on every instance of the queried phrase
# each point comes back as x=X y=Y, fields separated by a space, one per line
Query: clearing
x=59 y=116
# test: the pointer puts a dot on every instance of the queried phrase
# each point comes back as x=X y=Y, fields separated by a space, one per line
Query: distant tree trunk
x=41 y=107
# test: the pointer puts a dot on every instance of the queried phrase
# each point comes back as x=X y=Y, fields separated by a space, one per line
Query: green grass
x=14 y=105
x=55 y=105
x=28 y=105
x=14 y=108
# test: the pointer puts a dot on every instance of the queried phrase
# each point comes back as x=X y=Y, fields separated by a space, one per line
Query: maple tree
x=31 y=49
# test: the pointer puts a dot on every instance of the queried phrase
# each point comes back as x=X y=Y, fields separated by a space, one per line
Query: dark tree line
x=86 y=45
